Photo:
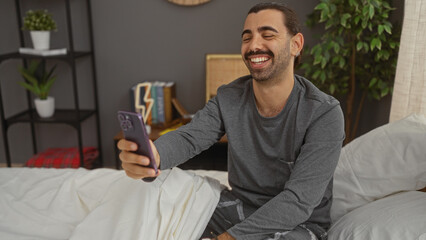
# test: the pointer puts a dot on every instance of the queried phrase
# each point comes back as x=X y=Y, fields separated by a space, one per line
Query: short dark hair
x=291 y=22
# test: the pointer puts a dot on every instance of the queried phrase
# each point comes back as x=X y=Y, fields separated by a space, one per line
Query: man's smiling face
x=266 y=45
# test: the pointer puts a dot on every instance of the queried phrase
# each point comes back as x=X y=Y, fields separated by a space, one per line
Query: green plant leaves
x=32 y=88
x=387 y=28
x=336 y=47
x=359 y=46
x=323 y=62
x=375 y=43
x=342 y=63
x=357 y=35
x=39 y=81
x=353 y=3
x=316 y=74
x=46 y=87
x=29 y=76
x=332 y=88
x=372 y=82
x=366 y=10
x=322 y=6
x=371 y=11
x=380 y=29
x=344 y=19
x=38 y=20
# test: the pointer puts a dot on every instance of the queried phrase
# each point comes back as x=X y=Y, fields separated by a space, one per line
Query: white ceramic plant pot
x=41 y=39
x=45 y=108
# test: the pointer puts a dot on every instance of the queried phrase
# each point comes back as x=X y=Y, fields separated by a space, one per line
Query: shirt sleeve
x=205 y=129
x=312 y=173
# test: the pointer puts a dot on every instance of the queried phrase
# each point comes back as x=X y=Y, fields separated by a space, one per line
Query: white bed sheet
x=103 y=204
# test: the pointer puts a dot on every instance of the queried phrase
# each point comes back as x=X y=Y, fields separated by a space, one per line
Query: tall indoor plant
x=357 y=53
x=39 y=81
x=40 y=23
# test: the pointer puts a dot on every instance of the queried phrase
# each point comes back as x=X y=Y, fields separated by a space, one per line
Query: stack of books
x=153 y=100
x=48 y=52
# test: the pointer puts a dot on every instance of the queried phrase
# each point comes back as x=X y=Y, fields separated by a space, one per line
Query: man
x=284 y=139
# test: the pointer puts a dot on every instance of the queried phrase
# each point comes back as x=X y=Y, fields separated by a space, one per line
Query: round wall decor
x=189 y=2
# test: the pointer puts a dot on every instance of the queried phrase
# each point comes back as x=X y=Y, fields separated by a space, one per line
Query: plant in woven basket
x=357 y=53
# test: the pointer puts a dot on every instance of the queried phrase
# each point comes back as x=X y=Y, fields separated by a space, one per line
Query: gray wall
x=135 y=41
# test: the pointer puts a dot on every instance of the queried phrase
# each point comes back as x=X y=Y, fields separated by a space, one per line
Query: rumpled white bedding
x=103 y=204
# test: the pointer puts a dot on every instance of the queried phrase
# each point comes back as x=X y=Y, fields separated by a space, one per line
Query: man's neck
x=272 y=95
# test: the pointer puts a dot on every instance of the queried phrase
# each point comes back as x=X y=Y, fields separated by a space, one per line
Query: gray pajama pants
x=231 y=211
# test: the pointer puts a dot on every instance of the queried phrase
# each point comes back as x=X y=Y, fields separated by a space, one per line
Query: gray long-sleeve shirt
x=282 y=165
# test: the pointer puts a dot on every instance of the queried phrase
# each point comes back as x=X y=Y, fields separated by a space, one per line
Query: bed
x=375 y=196
x=376 y=183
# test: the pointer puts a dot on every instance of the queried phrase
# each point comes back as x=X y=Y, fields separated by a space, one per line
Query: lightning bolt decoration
x=145 y=107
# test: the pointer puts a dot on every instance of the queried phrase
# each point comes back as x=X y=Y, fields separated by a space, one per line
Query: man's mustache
x=251 y=53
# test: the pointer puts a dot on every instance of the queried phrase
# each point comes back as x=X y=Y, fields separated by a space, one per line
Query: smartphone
x=134 y=130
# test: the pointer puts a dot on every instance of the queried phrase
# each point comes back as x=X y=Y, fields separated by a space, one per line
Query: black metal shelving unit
x=73 y=117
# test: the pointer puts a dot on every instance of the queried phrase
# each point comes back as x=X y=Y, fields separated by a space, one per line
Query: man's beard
x=277 y=65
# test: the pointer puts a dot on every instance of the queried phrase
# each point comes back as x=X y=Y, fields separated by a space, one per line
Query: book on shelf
x=48 y=52
x=159 y=86
x=154 y=110
x=169 y=94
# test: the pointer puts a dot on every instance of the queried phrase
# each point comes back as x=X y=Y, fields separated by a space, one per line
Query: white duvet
x=103 y=204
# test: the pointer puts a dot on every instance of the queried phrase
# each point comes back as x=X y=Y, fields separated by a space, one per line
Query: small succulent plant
x=39 y=20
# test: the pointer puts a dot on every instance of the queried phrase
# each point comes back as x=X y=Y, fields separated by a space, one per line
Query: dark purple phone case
x=134 y=130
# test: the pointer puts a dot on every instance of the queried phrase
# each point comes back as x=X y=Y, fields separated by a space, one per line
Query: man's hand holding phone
x=139 y=155
x=137 y=166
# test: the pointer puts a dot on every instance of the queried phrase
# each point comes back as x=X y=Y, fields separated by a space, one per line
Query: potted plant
x=39 y=23
x=39 y=82
x=356 y=54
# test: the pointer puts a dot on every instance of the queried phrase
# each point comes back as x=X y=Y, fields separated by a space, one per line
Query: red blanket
x=64 y=158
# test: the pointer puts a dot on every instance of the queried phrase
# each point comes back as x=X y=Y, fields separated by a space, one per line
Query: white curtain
x=409 y=94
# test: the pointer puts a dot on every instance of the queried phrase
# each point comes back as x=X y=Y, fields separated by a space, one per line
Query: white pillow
x=384 y=161
x=400 y=216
